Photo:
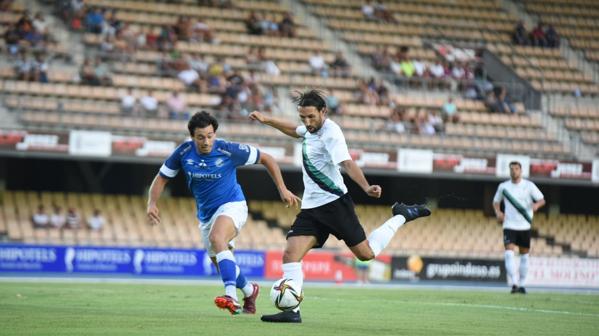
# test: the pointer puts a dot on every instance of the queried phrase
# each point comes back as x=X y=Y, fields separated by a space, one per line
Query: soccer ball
x=284 y=295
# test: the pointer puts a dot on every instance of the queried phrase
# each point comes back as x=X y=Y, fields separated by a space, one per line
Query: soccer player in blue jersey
x=209 y=164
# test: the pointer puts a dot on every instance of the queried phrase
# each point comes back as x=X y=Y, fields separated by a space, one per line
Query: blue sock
x=241 y=280
x=227 y=266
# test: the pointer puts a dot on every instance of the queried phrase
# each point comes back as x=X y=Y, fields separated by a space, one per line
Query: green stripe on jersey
x=319 y=178
x=517 y=205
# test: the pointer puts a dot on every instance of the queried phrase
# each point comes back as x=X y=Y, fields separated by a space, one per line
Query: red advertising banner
x=328 y=266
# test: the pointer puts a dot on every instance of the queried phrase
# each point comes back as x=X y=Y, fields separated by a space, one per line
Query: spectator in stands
x=287 y=26
x=190 y=77
x=216 y=82
x=537 y=36
x=339 y=66
x=553 y=39
x=201 y=32
x=253 y=24
x=334 y=105
x=381 y=12
x=73 y=219
x=57 y=220
x=449 y=111
x=102 y=73
x=149 y=104
x=395 y=123
x=94 y=20
x=437 y=72
x=40 y=218
x=23 y=67
x=86 y=73
x=381 y=59
x=177 y=107
x=129 y=103
x=183 y=28
x=368 y=10
x=366 y=94
x=167 y=38
x=40 y=69
x=436 y=121
x=420 y=69
x=11 y=39
x=425 y=123
x=318 y=64
x=503 y=104
x=96 y=221
x=520 y=37
x=269 y=24
x=40 y=25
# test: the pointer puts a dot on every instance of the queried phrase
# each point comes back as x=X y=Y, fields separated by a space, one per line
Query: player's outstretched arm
x=356 y=174
x=275 y=173
x=282 y=125
x=154 y=194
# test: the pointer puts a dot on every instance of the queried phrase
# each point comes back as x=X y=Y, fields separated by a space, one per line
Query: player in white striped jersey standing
x=521 y=200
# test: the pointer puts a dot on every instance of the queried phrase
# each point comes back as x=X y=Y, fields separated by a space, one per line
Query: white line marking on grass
x=520 y=309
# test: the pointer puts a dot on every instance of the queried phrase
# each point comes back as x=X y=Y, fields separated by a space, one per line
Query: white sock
x=230 y=289
x=294 y=272
x=523 y=269
x=380 y=238
x=510 y=266
x=248 y=289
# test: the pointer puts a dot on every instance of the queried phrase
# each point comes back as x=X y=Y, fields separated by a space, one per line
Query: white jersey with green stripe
x=518 y=199
x=321 y=154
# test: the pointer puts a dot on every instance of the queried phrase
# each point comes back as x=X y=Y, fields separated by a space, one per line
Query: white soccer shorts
x=237 y=211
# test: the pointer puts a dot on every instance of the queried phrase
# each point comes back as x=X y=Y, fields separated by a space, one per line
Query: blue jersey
x=211 y=178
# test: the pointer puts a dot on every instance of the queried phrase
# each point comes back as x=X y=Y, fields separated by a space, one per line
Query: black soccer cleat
x=521 y=290
x=283 y=317
x=514 y=289
x=410 y=212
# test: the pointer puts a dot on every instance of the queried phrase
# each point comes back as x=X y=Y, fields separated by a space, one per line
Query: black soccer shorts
x=337 y=218
x=519 y=238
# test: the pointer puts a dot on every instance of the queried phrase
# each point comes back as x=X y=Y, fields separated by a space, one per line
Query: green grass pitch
x=51 y=308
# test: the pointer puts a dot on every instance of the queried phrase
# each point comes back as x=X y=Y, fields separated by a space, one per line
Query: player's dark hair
x=515 y=163
x=312 y=97
x=200 y=120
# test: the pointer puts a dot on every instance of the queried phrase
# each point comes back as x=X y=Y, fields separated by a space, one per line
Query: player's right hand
x=290 y=199
x=153 y=214
x=258 y=116
x=500 y=217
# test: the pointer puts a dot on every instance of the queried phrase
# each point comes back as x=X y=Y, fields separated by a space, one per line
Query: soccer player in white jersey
x=521 y=200
x=327 y=208
x=210 y=166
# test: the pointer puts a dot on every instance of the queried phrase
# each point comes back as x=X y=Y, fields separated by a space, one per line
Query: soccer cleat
x=249 y=303
x=410 y=212
x=283 y=317
x=228 y=303
x=521 y=290
x=514 y=289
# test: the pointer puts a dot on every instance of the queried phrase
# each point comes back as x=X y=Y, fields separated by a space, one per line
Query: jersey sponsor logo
x=202 y=176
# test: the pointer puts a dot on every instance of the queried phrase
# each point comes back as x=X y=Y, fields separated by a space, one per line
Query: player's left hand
x=290 y=199
x=374 y=191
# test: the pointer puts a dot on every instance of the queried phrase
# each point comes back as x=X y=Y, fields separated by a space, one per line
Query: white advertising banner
x=90 y=143
x=563 y=272
x=502 y=164
x=415 y=160
x=595 y=171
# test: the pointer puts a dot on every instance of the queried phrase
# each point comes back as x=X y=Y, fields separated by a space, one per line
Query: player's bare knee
x=290 y=256
x=217 y=242
x=365 y=255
